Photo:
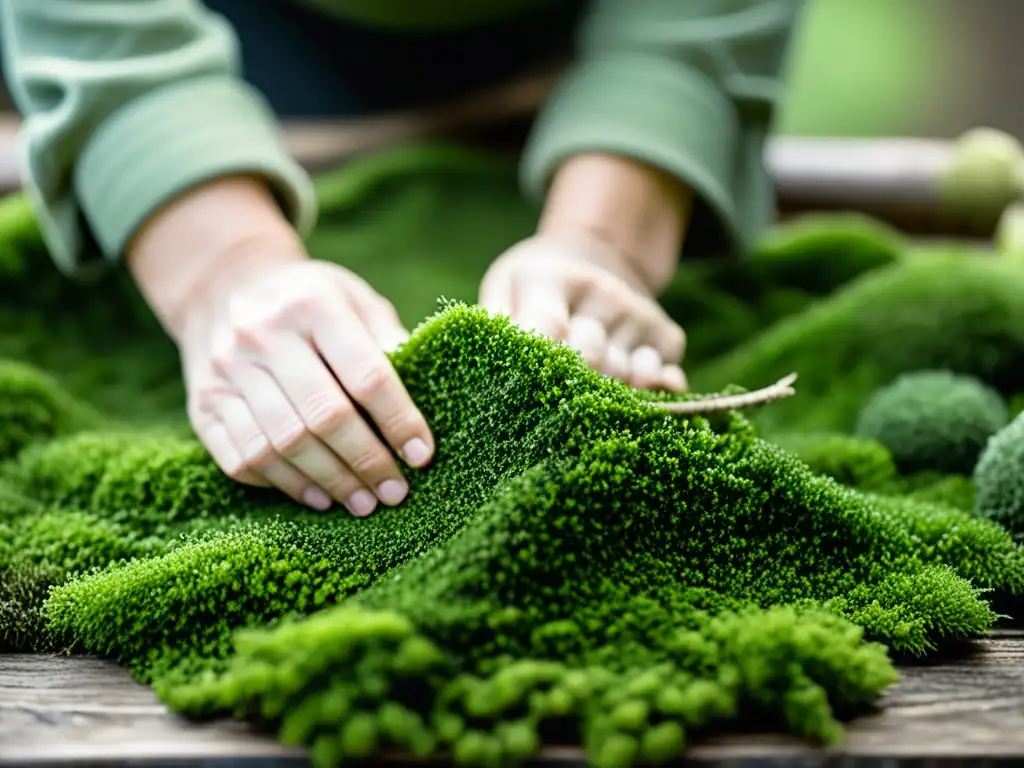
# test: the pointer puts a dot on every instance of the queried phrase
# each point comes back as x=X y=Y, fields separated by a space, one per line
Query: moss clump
x=931 y=310
x=999 y=479
x=577 y=565
x=957 y=491
x=933 y=420
x=724 y=302
x=35 y=407
x=854 y=461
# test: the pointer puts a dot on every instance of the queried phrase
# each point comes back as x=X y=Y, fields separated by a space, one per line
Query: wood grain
x=78 y=711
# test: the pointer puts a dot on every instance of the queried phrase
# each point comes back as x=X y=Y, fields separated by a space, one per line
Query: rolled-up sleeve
x=126 y=104
x=688 y=86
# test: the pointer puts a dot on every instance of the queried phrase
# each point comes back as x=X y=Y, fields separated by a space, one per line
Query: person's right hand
x=279 y=357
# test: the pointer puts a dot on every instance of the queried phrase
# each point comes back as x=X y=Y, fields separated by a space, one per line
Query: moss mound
x=571 y=543
x=858 y=462
x=930 y=310
x=999 y=479
x=577 y=567
x=933 y=420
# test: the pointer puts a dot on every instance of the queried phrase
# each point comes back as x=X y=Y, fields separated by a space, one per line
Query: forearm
x=201 y=239
x=640 y=211
x=127 y=106
x=686 y=87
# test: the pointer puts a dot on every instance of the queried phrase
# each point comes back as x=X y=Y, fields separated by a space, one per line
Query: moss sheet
x=577 y=567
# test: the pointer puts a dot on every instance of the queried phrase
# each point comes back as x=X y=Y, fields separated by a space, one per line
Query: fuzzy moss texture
x=577 y=567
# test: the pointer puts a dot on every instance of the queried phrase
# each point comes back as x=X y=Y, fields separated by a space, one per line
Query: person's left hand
x=577 y=289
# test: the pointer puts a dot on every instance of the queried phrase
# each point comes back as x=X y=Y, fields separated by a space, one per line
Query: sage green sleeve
x=688 y=86
x=125 y=105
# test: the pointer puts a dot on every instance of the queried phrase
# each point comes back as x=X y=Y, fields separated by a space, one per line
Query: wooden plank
x=79 y=711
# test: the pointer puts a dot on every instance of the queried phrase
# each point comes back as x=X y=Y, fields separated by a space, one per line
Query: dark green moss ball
x=999 y=478
x=933 y=420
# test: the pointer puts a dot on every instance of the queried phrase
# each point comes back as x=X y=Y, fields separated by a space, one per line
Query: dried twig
x=780 y=389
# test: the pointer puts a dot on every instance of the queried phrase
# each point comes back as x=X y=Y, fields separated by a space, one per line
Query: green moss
x=706 y=558
x=724 y=302
x=957 y=311
x=35 y=407
x=933 y=420
x=957 y=491
x=576 y=567
x=854 y=461
x=999 y=479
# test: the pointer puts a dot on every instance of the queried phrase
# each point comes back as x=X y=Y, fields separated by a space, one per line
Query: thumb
x=495 y=293
x=542 y=306
x=533 y=303
x=378 y=315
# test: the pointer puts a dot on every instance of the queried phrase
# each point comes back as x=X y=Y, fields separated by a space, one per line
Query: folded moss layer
x=571 y=544
x=578 y=566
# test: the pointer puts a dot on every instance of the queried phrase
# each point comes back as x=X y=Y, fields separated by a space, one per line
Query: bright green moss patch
x=933 y=420
x=577 y=566
x=570 y=542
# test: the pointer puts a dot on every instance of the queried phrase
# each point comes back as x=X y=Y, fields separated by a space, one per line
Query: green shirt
x=127 y=104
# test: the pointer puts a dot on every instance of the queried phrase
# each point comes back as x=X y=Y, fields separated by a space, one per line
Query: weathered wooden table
x=62 y=711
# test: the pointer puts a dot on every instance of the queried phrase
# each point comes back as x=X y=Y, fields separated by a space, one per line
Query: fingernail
x=316 y=498
x=392 y=491
x=361 y=503
x=416 y=452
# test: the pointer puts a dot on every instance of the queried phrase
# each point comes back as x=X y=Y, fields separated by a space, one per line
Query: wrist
x=205 y=240
x=638 y=211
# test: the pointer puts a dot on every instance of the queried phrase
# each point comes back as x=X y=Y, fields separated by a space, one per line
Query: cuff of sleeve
x=174 y=138
x=663 y=113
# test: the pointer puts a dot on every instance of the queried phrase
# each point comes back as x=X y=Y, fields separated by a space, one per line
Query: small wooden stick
x=716 y=403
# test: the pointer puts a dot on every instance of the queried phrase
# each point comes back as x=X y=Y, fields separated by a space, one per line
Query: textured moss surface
x=576 y=567
x=933 y=420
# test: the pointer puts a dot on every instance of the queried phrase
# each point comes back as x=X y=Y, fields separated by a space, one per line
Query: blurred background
x=929 y=68
x=907 y=67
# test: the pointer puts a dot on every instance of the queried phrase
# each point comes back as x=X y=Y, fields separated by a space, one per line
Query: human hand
x=279 y=355
x=577 y=289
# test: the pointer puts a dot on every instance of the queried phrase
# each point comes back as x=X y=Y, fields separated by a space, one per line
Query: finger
x=674 y=379
x=668 y=338
x=646 y=367
x=616 y=363
x=388 y=335
x=214 y=435
x=626 y=336
x=631 y=317
x=331 y=418
x=607 y=300
x=654 y=330
x=379 y=316
x=290 y=438
x=495 y=293
x=587 y=336
x=541 y=307
x=367 y=376
x=259 y=456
